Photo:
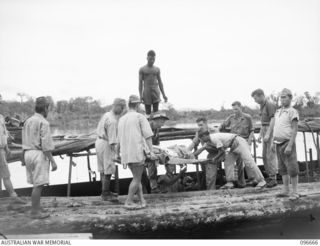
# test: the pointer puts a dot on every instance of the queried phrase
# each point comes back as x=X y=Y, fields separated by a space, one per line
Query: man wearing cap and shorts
x=106 y=147
x=241 y=124
x=238 y=148
x=269 y=156
x=4 y=169
x=149 y=84
x=37 y=145
x=134 y=144
x=285 y=128
x=157 y=120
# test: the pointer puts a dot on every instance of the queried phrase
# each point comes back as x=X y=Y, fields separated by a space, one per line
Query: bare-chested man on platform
x=149 y=84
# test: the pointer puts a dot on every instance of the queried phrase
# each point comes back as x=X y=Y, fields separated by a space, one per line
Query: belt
x=265 y=124
x=232 y=141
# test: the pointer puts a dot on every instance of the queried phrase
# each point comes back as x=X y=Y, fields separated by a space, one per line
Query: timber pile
x=164 y=212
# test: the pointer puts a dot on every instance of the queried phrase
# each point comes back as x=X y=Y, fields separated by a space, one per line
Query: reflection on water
x=80 y=171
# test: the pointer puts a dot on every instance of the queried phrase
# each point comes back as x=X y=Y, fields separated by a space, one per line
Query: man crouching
x=238 y=148
x=37 y=146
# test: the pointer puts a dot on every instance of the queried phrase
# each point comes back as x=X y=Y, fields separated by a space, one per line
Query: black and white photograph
x=159 y=120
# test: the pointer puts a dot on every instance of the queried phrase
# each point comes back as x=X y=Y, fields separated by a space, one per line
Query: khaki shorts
x=37 y=166
x=288 y=164
x=4 y=170
x=105 y=157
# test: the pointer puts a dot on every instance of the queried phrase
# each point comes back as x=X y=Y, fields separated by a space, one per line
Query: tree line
x=85 y=112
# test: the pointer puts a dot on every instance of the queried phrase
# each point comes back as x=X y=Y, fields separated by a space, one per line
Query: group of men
x=278 y=132
x=127 y=135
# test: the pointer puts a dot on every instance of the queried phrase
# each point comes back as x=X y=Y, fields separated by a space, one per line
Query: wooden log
x=164 y=211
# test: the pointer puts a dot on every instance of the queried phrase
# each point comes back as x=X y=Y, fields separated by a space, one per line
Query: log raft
x=185 y=211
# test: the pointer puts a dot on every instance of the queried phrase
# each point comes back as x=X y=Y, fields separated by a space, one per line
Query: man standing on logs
x=210 y=169
x=37 y=145
x=269 y=157
x=157 y=120
x=285 y=128
x=106 y=147
x=241 y=124
x=134 y=144
x=149 y=84
x=4 y=169
x=238 y=148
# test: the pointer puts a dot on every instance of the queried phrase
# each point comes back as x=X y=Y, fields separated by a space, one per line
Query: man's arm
x=294 y=127
x=48 y=154
x=225 y=123
x=269 y=132
x=161 y=87
x=199 y=151
x=140 y=84
x=221 y=152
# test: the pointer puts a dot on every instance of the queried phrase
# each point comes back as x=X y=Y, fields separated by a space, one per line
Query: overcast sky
x=210 y=52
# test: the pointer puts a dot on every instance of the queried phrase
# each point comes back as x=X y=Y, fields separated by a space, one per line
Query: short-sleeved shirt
x=3 y=133
x=36 y=134
x=108 y=127
x=241 y=125
x=267 y=111
x=151 y=91
x=133 y=130
x=283 y=123
x=222 y=139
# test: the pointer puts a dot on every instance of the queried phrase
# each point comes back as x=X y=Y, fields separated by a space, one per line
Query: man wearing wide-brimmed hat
x=285 y=128
x=106 y=147
x=37 y=145
x=135 y=144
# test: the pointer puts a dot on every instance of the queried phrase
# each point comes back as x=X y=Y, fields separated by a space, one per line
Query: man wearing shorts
x=37 y=145
x=134 y=144
x=106 y=147
x=4 y=169
x=149 y=84
x=285 y=128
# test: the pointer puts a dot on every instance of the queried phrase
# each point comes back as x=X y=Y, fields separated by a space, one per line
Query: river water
x=80 y=171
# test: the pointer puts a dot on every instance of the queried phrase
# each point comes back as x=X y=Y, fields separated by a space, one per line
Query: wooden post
x=318 y=149
x=0 y=183
x=69 y=177
x=311 y=162
x=88 y=164
x=197 y=169
x=254 y=150
x=117 y=188
x=305 y=154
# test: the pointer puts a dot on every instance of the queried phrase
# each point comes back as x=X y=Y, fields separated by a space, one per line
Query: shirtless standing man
x=149 y=84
